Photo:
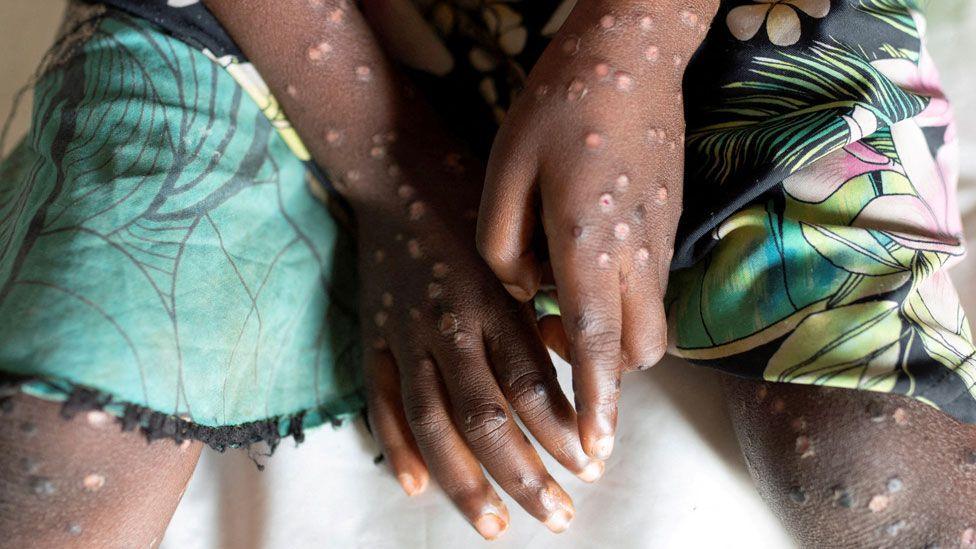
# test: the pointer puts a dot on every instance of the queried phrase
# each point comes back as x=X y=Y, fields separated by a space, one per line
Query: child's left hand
x=594 y=151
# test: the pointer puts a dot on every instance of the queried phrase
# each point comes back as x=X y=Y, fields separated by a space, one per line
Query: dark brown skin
x=85 y=482
x=846 y=468
x=593 y=150
x=448 y=351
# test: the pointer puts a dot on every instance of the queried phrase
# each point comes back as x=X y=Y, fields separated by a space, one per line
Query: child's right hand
x=448 y=351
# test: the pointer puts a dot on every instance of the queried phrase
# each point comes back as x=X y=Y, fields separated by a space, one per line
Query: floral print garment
x=819 y=216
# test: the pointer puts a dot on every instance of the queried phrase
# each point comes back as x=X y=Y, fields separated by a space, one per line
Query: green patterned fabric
x=161 y=243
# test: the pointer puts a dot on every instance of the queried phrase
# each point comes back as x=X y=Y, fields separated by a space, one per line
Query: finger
x=389 y=424
x=483 y=418
x=507 y=220
x=644 y=327
x=554 y=335
x=528 y=380
x=450 y=461
x=589 y=300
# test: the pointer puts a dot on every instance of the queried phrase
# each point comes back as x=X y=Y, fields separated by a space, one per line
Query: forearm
x=340 y=93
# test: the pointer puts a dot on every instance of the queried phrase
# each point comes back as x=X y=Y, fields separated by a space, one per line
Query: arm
x=447 y=351
x=598 y=139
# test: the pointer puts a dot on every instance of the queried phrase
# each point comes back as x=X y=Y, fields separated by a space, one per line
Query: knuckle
x=529 y=392
x=427 y=422
x=600 y=341
x=484 y=423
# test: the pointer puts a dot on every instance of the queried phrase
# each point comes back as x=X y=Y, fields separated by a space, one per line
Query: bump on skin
x=541 y=91
x=405 y=191
x=646 y=23
x=606 y=202
x=571 y=45
x=642 y=257
x=364 y=73
x=377 y=151
x=622 y=182
x=380 y=344
x=894 y=528
x=318 y=52
x=380 y=318
x=414 y=313
x=452 y=162
x=799 y=424
x=291 y=90
x=894 y=485
x=878 y=503
x=41 y=486
x=677 y=60
x=577 y=231
x=843 y=498
x=761 y=393
x=74 y=529
x=608 y=21
x=448 y=324
x=93 y=482
x=662 y=195
x=434 y=290
x=393 y=171
x=439 y=270
x=688 y=18
x=778 y=406
x=417 y=210
x=333 y=136
x=623 y=81
x=656 y=135
x=593 y=140
x=804 y=446
x=652 y=53
x=798 y=495
x=968 y=537
x=353 y=175
x=602 y=70
x=379 y=256
x=603 y=260
x=621 y=231
x=576 y=90
x=413 y=248
x=900 y=416
x=387 y=299
x=97 y=418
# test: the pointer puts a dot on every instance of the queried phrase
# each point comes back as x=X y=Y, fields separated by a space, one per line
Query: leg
x=847 y=468
x=83 y=481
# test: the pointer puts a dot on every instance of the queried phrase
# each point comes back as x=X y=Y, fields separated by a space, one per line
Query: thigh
x=83 y=481
x=849 y=468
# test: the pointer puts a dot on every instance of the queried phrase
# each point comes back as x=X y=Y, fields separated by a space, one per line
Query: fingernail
x=518 y=292
x=593 y=471
x=410 y=484
x=559 y=521
x=490 y=526
x=603 y=447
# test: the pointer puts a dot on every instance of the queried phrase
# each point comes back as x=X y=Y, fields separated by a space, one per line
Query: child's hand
x=594 y=150
x=448 y=351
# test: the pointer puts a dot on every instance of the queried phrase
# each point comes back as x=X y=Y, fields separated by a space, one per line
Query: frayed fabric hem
x=155 y=425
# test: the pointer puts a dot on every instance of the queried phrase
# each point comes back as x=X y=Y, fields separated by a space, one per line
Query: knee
x=853 y=469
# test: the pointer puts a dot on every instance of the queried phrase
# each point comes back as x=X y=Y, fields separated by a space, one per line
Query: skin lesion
x=84 y=481
x=847 y=468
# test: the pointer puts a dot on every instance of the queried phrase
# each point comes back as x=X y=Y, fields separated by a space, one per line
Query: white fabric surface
x=676 y=478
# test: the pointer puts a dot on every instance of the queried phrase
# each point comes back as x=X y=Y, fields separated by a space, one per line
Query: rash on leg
x=83 y=481
x=846 y=468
